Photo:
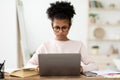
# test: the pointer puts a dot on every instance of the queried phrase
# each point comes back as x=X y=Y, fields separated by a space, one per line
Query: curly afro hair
x=61 y=10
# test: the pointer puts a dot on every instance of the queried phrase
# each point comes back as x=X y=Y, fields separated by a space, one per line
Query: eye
x=64 y=27
x=57 y=27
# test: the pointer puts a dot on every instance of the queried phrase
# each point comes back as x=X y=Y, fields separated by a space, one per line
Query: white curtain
x=23 y=33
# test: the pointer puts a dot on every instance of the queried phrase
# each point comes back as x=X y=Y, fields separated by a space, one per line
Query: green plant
x=95 y=46
x=93 y=15
x=31 y=54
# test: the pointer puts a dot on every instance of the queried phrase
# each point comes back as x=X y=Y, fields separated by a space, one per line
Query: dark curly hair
x=61 y=10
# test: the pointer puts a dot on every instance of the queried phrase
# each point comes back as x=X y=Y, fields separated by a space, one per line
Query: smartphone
x=89 y=74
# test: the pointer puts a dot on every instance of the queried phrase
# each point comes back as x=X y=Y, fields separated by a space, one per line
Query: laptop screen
x=59 y=64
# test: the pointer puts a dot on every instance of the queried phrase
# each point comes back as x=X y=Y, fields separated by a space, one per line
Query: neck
x=66 y=39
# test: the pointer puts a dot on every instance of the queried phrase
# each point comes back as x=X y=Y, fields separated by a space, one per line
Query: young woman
x=61 y=14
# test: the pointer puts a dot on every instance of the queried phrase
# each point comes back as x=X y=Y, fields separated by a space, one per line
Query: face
x=61 y=28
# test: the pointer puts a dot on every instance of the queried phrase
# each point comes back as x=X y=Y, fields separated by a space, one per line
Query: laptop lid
x=59 y=64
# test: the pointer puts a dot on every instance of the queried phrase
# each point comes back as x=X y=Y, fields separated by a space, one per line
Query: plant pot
x=92 y=20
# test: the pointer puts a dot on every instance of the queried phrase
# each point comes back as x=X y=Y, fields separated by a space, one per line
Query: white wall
x=38 y=26
x=8 y=33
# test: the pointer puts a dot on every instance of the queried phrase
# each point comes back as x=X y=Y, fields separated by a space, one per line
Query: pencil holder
x=1 y=71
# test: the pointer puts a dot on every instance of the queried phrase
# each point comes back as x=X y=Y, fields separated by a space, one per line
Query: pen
x=2 y=65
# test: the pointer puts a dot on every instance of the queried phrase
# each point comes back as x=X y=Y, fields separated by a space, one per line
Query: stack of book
x=95 y=4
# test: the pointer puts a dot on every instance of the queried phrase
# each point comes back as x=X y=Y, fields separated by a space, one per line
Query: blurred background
x=24 y=26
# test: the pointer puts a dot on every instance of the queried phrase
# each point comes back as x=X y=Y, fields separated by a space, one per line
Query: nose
x=60 y=31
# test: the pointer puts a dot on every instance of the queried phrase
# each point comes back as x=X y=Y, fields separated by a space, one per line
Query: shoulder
x=76 y=42
x=46 y=43
x=42 y=47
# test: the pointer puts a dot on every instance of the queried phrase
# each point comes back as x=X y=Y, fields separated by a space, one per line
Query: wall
x=8 y=33
x=38 y=27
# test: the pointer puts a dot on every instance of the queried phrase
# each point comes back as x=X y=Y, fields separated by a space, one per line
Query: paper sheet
x=102 y=72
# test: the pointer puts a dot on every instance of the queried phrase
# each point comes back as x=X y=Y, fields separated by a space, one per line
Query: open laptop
x=59 y=64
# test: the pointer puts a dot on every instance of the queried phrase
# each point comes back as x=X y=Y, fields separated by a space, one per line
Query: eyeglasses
x=64 y=29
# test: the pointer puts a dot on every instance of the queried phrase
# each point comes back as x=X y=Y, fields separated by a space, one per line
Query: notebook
x=59 y=64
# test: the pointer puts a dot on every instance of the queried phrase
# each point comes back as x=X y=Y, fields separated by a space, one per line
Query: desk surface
x=37 y=77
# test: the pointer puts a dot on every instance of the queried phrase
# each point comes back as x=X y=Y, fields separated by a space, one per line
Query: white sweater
x=70 y=46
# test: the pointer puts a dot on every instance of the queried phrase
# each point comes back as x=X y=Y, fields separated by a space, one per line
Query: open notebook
x=21 y=72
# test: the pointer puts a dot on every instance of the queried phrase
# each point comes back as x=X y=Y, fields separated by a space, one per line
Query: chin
x=61 y=39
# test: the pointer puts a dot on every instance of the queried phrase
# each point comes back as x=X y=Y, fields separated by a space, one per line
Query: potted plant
x=95 y=49
x=93 y=17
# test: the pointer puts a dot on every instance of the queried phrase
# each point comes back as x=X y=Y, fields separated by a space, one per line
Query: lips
x=60 y=35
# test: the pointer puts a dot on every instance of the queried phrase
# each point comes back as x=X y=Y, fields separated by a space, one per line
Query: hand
x=37 y=69
x=81 y=69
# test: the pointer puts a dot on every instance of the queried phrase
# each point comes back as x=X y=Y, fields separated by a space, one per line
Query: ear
x=69 y=27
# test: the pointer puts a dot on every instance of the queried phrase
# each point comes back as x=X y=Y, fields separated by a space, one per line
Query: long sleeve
x=34 y=60
x=65 y=47
x=90 y=65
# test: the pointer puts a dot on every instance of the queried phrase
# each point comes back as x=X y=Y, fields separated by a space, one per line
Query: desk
x=37 y=77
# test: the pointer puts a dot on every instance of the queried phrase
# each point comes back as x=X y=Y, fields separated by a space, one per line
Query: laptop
x=59 y=64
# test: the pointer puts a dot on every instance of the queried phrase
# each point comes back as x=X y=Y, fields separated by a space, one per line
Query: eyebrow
x=59 y=26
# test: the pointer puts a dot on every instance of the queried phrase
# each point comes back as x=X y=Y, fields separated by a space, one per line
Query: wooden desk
x=37 y=77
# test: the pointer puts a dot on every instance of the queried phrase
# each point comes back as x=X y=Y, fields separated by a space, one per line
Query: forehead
x=61 y=21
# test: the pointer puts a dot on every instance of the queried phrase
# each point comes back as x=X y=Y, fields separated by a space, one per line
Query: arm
x=90 y=65
x=34 y=60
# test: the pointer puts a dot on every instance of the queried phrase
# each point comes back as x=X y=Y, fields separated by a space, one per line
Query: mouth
x=60 y=35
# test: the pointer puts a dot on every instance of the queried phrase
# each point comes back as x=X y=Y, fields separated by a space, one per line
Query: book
x=111 y=75
x=92 y=4
x=22 y=72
